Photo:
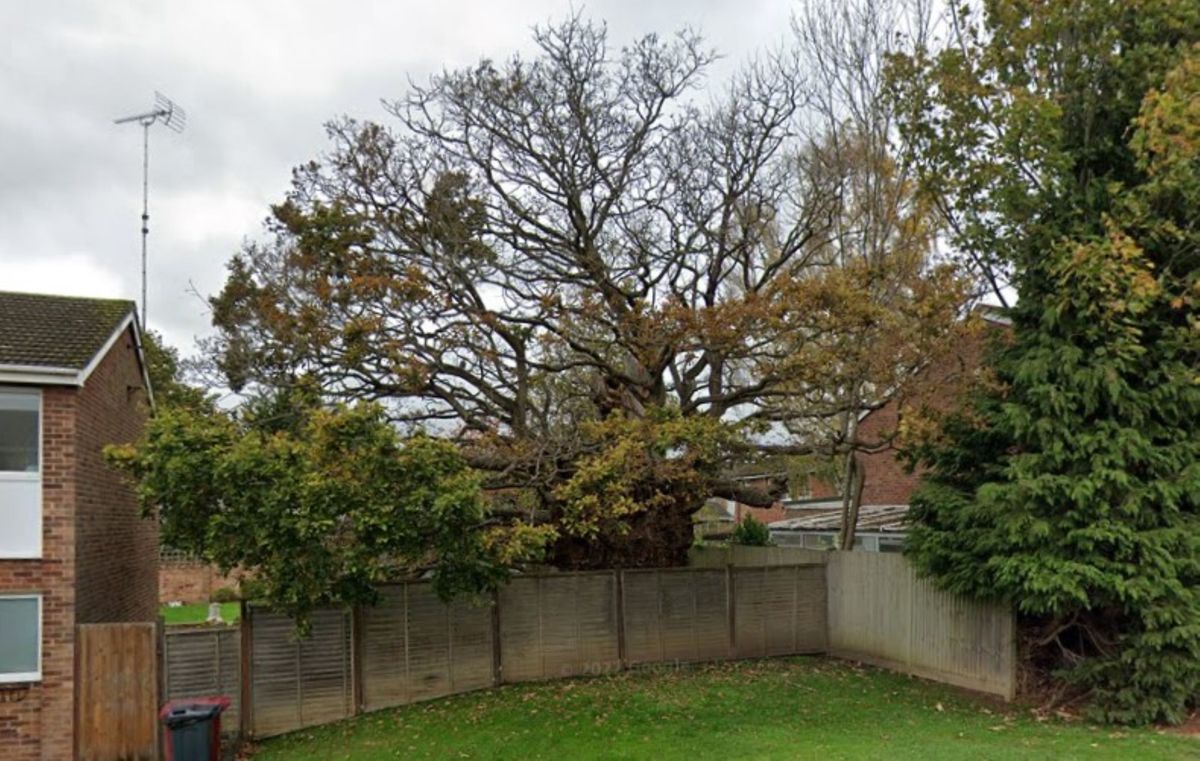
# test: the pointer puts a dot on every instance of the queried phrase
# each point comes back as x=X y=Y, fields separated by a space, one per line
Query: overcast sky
x=258 y=80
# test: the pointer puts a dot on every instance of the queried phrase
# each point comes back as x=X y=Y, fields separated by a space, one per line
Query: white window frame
x=10 y=677
x=892 y=541
x=830 y=540
x=26 y=477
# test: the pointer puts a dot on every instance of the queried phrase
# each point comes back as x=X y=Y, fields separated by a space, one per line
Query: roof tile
x=56 y=331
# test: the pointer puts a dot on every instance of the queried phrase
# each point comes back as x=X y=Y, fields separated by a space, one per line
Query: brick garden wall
x=190 y=582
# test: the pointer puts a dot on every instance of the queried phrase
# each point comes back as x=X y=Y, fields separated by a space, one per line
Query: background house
x=880 y=528
x=73 y=547
x=811 y=514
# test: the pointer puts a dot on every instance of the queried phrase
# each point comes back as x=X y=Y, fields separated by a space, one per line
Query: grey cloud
x=258 y=81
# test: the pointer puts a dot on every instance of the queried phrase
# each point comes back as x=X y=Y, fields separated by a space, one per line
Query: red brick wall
x=885 y=482
x=819 y=488
x=37 y=720
x=762 y=514
x=116 y=549
x=939 y=388
x=191 y=582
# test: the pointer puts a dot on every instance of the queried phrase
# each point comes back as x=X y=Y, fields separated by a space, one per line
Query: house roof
x=872 y=518
x=58 y=340
x=66 y=332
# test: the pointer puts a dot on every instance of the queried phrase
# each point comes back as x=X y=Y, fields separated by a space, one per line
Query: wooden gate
x=116 y=699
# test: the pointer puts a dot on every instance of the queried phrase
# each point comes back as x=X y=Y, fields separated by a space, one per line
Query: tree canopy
x=166 y=372
x=551 y=258
x=324 y=512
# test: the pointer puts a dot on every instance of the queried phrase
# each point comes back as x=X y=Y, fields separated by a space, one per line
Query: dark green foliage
x=224 y=594
x=1070 y=484
x=251 y=589
x=752 y=532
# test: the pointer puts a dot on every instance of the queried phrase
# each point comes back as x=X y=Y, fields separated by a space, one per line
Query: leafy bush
x=752 y=532
x=252 y=589
x=224 y=594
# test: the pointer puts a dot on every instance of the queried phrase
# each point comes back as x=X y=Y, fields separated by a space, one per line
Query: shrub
x=224 y=594
x=252 y=589
x=752 y=532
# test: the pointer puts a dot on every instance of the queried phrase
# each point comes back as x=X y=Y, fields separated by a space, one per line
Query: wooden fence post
x=160 y=659
x=730 y=605
x=356 y=659
x=619 y=593
x=247 y=692
x=497 y=666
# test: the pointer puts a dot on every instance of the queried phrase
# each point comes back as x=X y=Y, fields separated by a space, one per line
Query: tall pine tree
x=1063 y=140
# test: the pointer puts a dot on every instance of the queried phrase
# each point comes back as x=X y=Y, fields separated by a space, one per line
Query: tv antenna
x=168 y=113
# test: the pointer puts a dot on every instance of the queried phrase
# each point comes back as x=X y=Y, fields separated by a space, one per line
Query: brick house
x=887 y=483
x=73 y=547
x=809 y=492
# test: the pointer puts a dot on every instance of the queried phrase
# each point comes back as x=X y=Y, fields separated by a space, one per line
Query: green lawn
x=197 y=613
x=799 y=708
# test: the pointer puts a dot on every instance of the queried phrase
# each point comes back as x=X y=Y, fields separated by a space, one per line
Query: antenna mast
x=167 y=112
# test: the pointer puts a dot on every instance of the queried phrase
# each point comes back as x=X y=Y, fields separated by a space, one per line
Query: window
x=20 y=472
x=891 y=544
x=818 y=541
x=19 y=431
x=20 y=638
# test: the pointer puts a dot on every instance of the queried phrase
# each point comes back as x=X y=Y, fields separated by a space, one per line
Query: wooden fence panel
x=556 y=626
x=520 y=630
x=882 y=613
x=326 y=674
x=117 y=692
x=472 y=662
x=384 y=650
x=198 y=662
x=868 y=606
x=675 y=615
x=428 y=644
x=779 y=610
x=299 y=683
x=415 y=647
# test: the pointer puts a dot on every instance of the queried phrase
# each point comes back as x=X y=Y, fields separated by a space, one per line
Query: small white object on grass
x=214 y=613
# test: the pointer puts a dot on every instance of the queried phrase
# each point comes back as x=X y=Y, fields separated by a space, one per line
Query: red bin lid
x=221 y=701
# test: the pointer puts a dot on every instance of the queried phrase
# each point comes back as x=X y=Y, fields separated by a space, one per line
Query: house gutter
x=42 y=375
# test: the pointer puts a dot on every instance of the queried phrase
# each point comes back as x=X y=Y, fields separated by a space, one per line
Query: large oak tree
x=606 y=285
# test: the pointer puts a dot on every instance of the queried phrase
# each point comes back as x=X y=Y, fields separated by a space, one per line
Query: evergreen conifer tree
x=1065 y=138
